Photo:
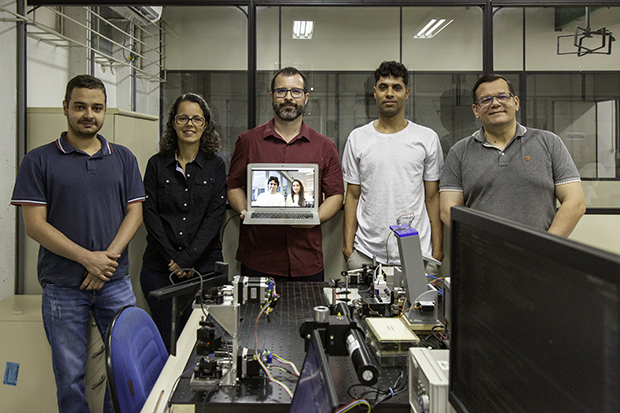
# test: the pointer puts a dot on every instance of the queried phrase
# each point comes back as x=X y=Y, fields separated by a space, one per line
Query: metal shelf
x=144 y=54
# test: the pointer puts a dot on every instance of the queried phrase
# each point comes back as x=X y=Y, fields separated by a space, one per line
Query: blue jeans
x=66 y=312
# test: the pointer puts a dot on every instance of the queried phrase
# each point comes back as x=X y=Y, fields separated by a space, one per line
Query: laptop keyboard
x=280 y=215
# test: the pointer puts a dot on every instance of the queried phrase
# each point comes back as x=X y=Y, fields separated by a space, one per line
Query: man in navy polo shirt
x=81 y=200
x=509 y=170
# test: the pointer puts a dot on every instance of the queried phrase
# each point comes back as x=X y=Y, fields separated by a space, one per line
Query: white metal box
x=428 y=380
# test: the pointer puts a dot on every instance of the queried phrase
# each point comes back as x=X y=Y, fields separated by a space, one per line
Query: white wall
x=8 y=149
x=600 y=231
x=211 y=38
x=47 y=75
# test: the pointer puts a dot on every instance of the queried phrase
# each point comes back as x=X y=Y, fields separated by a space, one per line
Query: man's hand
x=347 y=252
x=91 y=283
x=237 y=200
x=438 y=253
x=100 y=264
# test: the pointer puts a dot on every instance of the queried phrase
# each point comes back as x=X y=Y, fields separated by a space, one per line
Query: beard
x=82 y=131
x=284 y=114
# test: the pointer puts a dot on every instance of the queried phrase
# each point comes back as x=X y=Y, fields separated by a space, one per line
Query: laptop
x=315 y=391
x=282 y=194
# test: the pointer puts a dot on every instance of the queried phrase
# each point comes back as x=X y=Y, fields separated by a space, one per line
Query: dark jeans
x=161 y=310
x=248 y=272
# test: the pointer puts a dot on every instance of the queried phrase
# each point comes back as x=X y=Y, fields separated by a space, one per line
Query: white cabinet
x=23 y=342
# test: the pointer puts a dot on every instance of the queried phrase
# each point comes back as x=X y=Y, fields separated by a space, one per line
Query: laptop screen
x=290 y=186
x=315 y=391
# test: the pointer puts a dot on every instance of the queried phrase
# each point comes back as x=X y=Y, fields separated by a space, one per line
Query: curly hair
x=393 y=69
x=210 y=141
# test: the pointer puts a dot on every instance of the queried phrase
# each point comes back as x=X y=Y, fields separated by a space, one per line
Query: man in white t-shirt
x=392 y=167
x=272 y=197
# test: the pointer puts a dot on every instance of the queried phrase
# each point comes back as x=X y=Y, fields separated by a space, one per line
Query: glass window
x=226 y=93
x=455 y=44
x=348 y=43
x=574 y=96
x=582 y=110
x=206 y=53
x=343 y=38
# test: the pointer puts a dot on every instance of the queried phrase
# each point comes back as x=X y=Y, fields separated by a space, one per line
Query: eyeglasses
x=183 y=119
x=296 y=92
x=501 y=98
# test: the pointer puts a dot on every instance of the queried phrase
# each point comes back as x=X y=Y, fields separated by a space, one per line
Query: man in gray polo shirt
x=509 y=170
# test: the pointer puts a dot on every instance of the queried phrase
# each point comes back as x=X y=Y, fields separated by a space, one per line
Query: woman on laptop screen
x=298 y=196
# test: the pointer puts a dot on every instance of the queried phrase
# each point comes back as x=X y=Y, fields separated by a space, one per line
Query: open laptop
x=274 y=193
x=315 y=391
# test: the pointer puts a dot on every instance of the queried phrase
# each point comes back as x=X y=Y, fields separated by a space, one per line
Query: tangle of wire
x=436 y=280
x=267 y=308
x=357 y=402
x=438 y=336
x=399 y=386
x=272 y=379
x=289 y=363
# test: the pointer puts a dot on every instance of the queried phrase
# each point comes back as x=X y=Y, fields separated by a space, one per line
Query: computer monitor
x=535 y=320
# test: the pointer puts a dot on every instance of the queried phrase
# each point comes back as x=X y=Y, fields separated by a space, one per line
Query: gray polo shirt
x=517 y=183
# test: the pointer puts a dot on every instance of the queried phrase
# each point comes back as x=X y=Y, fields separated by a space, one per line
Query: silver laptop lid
x=282 y=187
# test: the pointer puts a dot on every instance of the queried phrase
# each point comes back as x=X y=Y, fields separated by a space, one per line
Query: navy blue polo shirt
x=86 y=198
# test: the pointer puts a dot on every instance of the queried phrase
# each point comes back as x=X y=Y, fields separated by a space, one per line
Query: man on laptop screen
x=272 y=197
x=285 y=251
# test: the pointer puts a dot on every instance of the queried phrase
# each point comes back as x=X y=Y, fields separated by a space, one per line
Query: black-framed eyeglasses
x=501 y=98
x=281 y=92
x=182 y=120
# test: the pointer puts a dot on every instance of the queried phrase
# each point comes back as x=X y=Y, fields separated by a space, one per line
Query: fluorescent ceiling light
x=303 y=29
x=432 y=28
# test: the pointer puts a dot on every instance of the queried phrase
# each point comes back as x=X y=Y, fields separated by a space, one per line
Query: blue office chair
x=135 y=355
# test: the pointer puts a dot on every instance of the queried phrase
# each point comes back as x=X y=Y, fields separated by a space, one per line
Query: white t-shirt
x=293 y=200
x=269 y=199
x=391 y=170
